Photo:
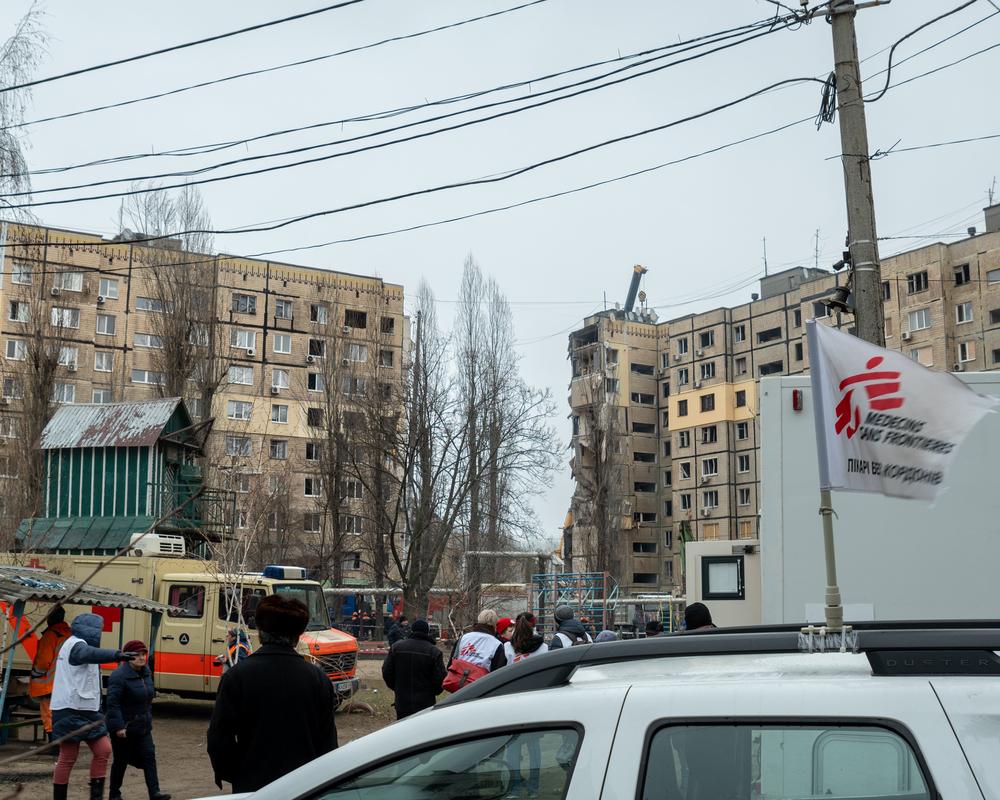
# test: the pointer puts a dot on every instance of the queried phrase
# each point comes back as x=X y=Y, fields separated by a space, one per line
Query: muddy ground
x=179 y=731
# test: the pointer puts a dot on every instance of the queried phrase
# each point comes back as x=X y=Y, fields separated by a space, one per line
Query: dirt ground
x=179 y=731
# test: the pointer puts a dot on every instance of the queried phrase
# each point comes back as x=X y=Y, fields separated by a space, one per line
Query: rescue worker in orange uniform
x=43 y=667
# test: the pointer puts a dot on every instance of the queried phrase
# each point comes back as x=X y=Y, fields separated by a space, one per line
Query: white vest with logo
x=513 y=657
x=78 y=687
x=478 y=648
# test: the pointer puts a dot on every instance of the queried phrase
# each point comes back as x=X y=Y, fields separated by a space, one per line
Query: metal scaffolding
x=590 y=594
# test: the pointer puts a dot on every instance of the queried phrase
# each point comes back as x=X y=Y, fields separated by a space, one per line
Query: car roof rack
x=935 y=647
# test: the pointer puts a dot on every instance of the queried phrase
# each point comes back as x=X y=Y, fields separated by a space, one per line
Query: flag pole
x=833 y=610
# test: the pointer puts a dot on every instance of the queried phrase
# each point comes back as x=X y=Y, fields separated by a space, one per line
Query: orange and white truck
x=187 y=642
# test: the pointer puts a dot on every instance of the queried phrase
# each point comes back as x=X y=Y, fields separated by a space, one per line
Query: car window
x=237 y=604
x=189 y=599
x=780 y=762
x=523 y=764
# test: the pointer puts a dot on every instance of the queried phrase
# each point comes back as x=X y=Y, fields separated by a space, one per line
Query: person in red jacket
x=43 y=667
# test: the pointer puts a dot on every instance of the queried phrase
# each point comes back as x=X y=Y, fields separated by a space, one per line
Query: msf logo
x=879 y=386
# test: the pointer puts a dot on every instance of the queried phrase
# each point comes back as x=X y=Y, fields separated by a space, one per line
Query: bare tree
x=20 y=56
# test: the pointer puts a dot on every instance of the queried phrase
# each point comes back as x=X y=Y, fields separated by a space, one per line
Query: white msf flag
x=884 y=423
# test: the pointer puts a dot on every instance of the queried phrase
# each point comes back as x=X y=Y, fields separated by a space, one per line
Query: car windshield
x=312 y=596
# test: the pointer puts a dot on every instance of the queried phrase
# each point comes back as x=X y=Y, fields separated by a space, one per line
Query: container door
x=180 y=662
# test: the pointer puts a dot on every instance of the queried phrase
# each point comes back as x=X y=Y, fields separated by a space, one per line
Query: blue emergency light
x=284 y=573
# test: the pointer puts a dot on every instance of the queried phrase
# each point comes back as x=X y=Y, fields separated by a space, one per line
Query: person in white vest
x=524 y=642
x=480 y=646
x=76 y=704
x=569 y=631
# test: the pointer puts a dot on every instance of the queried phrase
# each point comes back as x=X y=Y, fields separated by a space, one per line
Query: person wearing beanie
x=505 y=629
x=76 y=704
x=274 y=710
x=569 y=631
x=606 y=636
x=414 y=670
x=43 y=665
x=697 y=617
x=130 y=721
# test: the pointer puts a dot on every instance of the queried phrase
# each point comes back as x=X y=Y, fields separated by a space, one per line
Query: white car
x=912 y=713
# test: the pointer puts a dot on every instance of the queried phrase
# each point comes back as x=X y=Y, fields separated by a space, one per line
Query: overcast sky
x=698 y=226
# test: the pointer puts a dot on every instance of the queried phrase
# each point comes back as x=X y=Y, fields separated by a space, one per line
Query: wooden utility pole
x=862 y=239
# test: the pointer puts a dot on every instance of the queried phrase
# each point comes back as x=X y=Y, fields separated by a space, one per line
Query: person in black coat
x=414 y=670
x=130 y=722
x=274 y=710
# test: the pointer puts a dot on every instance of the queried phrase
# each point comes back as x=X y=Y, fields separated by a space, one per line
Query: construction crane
x=637 y=272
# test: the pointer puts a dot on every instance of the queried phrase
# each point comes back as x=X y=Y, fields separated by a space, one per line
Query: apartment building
x=279 y=344
x=676 y=402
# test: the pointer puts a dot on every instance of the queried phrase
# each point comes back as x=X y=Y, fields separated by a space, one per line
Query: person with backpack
x=474 y=653
x=569 y=631
x=524 y=642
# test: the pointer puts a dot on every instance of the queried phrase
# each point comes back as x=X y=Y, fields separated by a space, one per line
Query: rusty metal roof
x=39 y=586
x=135 y=424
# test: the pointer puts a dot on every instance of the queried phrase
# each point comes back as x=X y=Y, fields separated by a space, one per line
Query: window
x=708 y=371
x=148 y=376
x=797 y=318
x=684 y=439
x=742 y=430
x=798 y=345
x=744 y=496
x=709 y=434
x=20 y=273
x=279 y=378
x=350 y=523
x=685 y=502
x=963 y=313
x=312 y=522
x=241 y=375
x=108 y=288
x=741 y=398
x=966 y=351
x=279 y=413
x=644 y=547
x=668 y=509
x=18 y=311
x=236 y=604
x=739 y=333
x=312 y=487
x=317 y=348
x=754 y=759
x=13 y=389
x=243 y=303
x=743 y=462
x=318 y=313
x=666 y=448
x=668 y=478
x=239 y=409
x=996 y=356
x=708 y=402
x=148 y=340
x=242 y=338
x=65 y=317
x=472 y=768
x=919 y=319
x=710 y=498
x=772 y=368
x=709 y=467
x=643 y=399
x=769 y=335
x=665 y=388
x=189 y=599
x=993 y=276
x=282 y=309
x=351 y=489
x=722 y=578
x=100 y=396
x=64 y=393
x=314 y=417
x=682 y=376
x=682 y=408
x=917 y=282
x=387 y=325
x=357 y=353
x=995 y=316
x=198 y=335
x=644 y=578
x=923 y=355
x=746 y=529
x=68 y=281
x=238 y=446
x=312 y=451
x=706 y=339
x=886 y=290
x=148 y=304
x=961 y=274
x=684 y=470
x=282 y=343
x=386 y=358
x=641 y=369
x=278 y=450
x=643 y=457
x=242 y=482
x=611 y=385
x=196 y=406
x=821 y=310
x=740 y=366
x=637 y=427
x=643 y=487
x=356 y=319
x=682 y=346
x=17 y=349
x=106 y=324
x=68 y=357
x=315 y=382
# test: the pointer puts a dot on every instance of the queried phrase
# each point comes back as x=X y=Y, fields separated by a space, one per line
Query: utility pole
x=861 y=237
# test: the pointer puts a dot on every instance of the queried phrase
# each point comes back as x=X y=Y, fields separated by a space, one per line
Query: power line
x=172 y=48
x=276 y=68
x=375 y=146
